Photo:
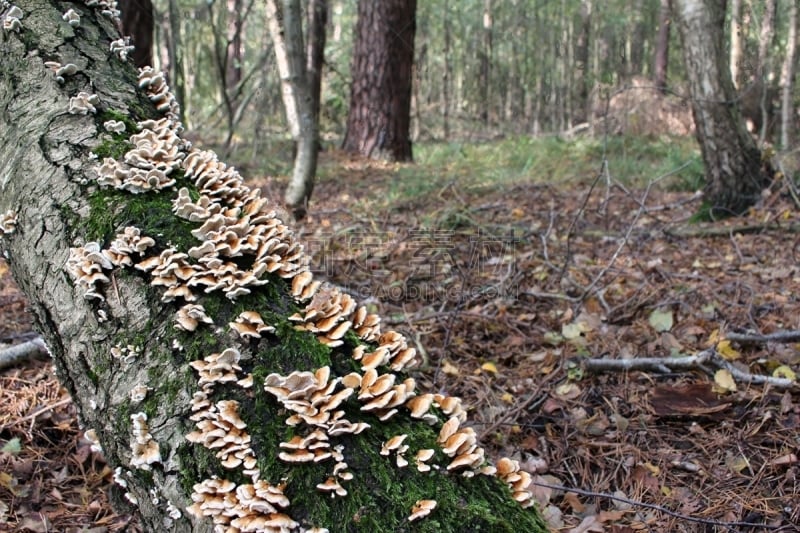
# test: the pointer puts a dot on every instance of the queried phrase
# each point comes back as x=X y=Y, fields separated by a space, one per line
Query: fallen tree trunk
x=228 y=390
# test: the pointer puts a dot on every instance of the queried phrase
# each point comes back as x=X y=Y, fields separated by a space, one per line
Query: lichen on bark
x=105 y=349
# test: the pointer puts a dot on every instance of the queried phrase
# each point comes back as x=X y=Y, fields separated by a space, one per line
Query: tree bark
x=137 y=22
x=736 y=42
x=183 y=414
x=286 y=27
x=315 y=50
x=379 y=119
x=735 y=171
x=661 y=62
x=787 y=79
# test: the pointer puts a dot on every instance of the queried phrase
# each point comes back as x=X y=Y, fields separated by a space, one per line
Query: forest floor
x=508 y=288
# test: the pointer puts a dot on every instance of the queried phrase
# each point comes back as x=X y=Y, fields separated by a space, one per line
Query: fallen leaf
x=575 y=504
x=785 y=372
x=723 y=381
x=450 y=369
x=489 y=367
x=12 y=447
x=570 y=391
x=507 y=397
x=590 y=523
x=661 y=320
x=571 y=331
x=727 y=352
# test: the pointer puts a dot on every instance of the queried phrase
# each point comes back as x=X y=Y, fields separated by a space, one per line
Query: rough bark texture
x=661 y=60
x=380 y=95
x=137 y=22
x=787 y=79
x=735 y=172
x=124 y=336
x=286 y=27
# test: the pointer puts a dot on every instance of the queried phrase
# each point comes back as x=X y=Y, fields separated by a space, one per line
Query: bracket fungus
x=83 y=104
x=144 y=449
x=8 y=222
x=11 y=19
x=121 y=48
x=72 y=18
x=241 y=245
x=86 y=264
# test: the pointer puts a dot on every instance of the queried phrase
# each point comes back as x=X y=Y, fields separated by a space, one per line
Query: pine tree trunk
x=735 y=172
x=183 y=415
x=661 y=62
x=787 y=79
x=379 y=118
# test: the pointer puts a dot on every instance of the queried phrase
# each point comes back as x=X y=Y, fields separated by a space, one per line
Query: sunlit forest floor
x=507 y=264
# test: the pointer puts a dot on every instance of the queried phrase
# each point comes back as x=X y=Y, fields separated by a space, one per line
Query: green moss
x=704 y=213
x=151 y=212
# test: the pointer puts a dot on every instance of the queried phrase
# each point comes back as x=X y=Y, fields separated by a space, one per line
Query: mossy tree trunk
x=113 y=335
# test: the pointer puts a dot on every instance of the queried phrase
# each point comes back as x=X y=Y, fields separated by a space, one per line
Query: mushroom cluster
x=72 y=18
x=69 y=69
x=518 y=480
x=85 y=265
x=393 y=350
x=461 y=445
x=157 y=151
x=144 y=448
x=8 y=222
x=129 y=241
x=327 y=315
x=421 y=509
x=82 y=104
x=250 y=324
x=220 y=428
x=247 y=507
x=190 y=316
x=122 y=47
x=11 y=19
x=114 y=126
x=158 y=92
x=107 y=8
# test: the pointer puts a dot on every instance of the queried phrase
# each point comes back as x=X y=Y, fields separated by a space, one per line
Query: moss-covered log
x=228 y=390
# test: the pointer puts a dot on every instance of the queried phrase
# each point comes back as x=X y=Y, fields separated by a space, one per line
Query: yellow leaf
x=723 y=382
x=450 y=369
x=571 y=331
x=666 y=491
x=655 y=470
x=516 y=429
x=489 y=367
x=784 y=371
x=727 y=352
x=517 y=213
x=713 y=338
x=507 y=397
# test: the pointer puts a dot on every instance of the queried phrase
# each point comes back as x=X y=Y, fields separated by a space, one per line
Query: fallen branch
x=689 y=362
x=777 y=336
x=22 y=352
x=725 y=231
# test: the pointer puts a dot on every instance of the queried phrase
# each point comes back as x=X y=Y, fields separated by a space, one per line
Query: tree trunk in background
x=151 y=392
x=736 y=42
x=582 y=67
x=285 y=23
x=380 y=94
x=764 y=68
x=175 y=53
x=235 y=45
x=787 y=79
x=486 y=63
x=137 y=22
x=448 y=72
x=661 y=61
x=315 y=50
x=735 y=173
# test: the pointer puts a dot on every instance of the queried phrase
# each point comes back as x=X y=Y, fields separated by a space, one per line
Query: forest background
x=558 y=135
